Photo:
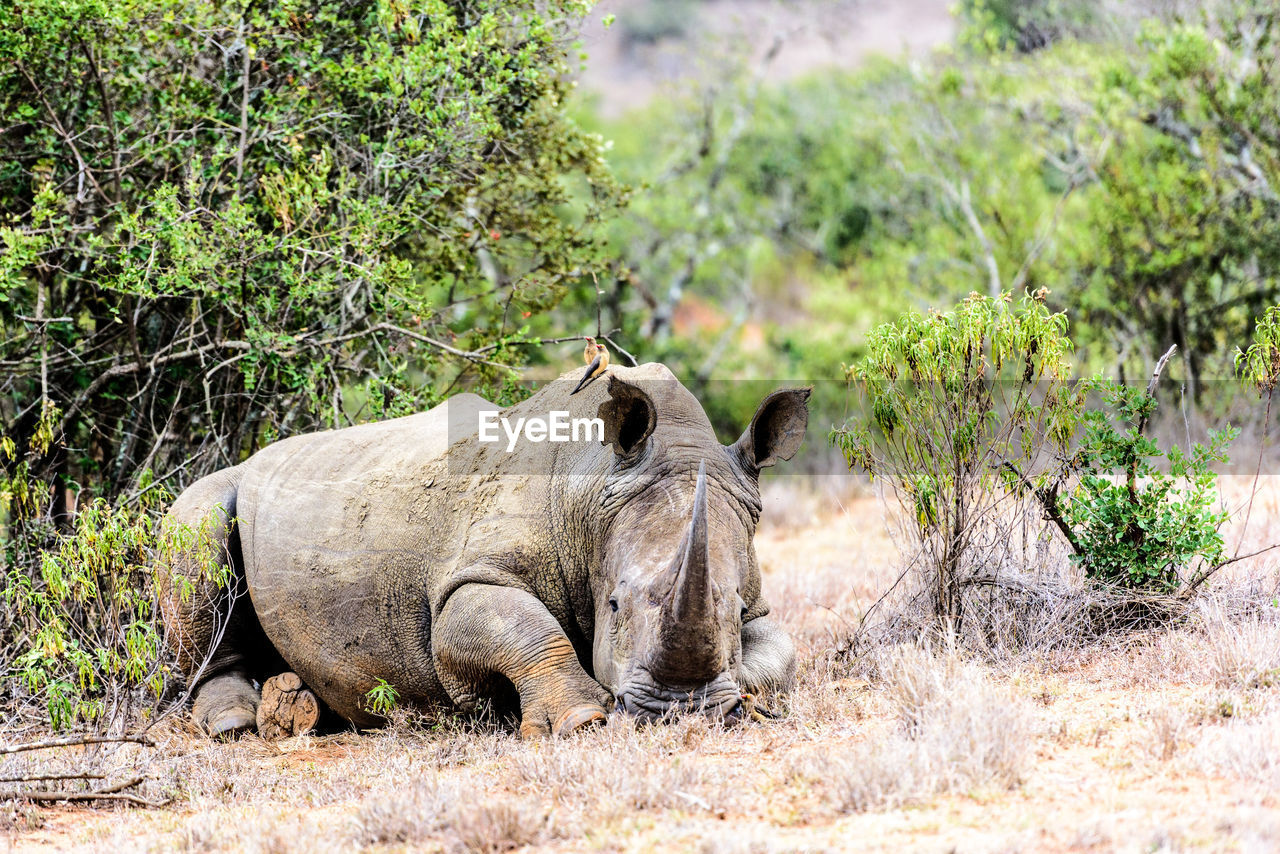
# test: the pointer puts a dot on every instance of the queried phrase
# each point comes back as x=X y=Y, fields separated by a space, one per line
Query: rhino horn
x=691 y=593
x=689 y=633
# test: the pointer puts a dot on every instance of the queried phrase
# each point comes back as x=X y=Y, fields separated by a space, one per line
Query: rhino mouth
x=647 y=698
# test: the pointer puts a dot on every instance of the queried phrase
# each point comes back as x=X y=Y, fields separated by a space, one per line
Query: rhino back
x=343 y=535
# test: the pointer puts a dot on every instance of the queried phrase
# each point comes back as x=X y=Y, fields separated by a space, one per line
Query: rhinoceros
x=615 y=572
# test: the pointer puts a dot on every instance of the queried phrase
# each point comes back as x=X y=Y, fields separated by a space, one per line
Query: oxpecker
x=597 y=367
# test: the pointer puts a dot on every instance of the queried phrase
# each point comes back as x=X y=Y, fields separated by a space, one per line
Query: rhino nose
x=648 y=699
x=640 y=705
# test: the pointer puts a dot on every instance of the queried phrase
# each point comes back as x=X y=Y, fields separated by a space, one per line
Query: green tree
x=1185 y=210
x=1129 y=166
x=218 y=220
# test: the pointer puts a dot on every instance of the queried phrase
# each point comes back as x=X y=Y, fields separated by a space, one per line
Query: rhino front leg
x=486 y=629
x=768 y=658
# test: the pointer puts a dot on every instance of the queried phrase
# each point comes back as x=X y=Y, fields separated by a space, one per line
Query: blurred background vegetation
x=1122 y=155
x=226 y=225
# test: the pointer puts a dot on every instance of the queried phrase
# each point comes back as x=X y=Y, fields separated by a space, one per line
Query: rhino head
x=676 y=576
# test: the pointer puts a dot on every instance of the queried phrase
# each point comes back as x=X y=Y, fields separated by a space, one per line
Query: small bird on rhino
x=597 y=367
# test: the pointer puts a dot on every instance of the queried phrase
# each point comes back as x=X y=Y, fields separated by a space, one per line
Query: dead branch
x=111 y=793
x=1155 y=380
x=1132 y=478
x=1048 y=500
x=76 y=741
x=41 y=778
x=1204 y=576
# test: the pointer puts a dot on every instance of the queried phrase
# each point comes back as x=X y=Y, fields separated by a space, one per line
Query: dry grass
x=413 y=816
x=1165 y=740
x=1167 y=731
x=1246 y=748
x=957 y=731
x=1242 y=652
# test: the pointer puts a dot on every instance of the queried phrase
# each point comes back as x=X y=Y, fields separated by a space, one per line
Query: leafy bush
x=962 y=411
x=81 y=643
x=225 y=223
x=1135 y=522
x=1260 y=364
x=972 y=421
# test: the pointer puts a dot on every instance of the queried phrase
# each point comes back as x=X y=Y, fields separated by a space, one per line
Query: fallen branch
x=111 y=793
x=1094 y=610
x=41 y=778
x=75 y=741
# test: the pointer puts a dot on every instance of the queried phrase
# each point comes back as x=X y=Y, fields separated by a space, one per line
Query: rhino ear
x=628 y=415
x=777 y=429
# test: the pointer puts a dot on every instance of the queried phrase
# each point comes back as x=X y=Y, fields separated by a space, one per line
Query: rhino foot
x=226 y=706
x=536 y=723
x=287 y=708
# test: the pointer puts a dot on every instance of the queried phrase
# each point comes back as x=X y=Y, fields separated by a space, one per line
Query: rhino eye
x=743 y=614
x=613 y=605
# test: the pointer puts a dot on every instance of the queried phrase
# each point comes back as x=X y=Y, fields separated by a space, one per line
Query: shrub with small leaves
x=221 y=222
x=80 y=642
x=1143 y=517
x=1260 y=364
x=963 y=410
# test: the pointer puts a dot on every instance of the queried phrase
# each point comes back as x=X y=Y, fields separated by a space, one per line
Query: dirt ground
x=1158 y=743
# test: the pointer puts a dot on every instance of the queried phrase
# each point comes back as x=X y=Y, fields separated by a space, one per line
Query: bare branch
x=76 y=740
x=1155 y=374
x=111 y=793
x=1048 y=500
x=615 y=345
x=1203 y=577
x=40 y=778
x=960 y=196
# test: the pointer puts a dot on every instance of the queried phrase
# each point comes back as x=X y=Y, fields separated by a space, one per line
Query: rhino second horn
x=689 y=645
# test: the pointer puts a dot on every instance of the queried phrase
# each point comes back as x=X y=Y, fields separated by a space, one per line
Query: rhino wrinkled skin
x=573 y=577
